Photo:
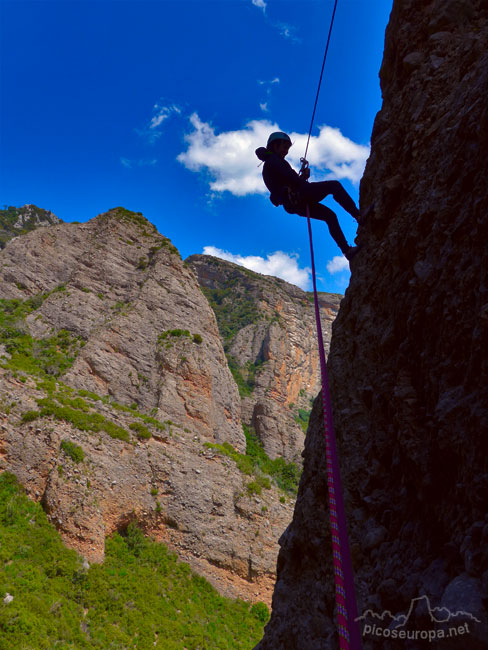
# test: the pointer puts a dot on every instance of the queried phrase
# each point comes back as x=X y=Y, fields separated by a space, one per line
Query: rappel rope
x=347 y=626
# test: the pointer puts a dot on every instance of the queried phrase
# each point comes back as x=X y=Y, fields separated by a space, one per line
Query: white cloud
x=264 y=106
x=279 y=264
x=227 y=157
x=158 y=119
x=160 y=113
x=260 y=3
x=337 y=264
x=266 y=83
x=127 y=162
x=287 y=31
x=229 y=160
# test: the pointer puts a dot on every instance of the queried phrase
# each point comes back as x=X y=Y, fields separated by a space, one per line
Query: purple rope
x=348 y=628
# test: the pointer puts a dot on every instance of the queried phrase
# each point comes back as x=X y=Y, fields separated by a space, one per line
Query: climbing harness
x=348 y=628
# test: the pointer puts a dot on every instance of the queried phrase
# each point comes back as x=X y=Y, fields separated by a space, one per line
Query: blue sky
x=158 y=106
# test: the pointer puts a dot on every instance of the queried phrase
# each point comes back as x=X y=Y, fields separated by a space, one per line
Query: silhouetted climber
x=294 y=192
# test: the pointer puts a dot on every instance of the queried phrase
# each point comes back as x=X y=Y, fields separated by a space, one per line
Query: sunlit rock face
x=409 y=357
x=144 y=343
x=268 y=331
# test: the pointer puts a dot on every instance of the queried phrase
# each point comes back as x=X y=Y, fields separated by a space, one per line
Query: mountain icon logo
x=419 y=606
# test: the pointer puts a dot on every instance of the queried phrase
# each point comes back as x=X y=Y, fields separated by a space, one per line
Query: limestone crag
x=408 y=358
x=268 y=330
x=144 y=390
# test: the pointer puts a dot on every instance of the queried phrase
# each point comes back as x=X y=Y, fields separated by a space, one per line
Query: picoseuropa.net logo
x=440 y=622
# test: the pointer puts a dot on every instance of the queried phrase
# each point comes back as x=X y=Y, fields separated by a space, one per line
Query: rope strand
x=321 y=76
x=346 y=608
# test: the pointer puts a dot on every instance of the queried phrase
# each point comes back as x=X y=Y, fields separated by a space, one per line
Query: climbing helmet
x=278 y=135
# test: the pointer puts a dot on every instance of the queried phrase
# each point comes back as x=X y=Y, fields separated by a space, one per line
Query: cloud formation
x=230 y=164
x=127 y=162
x=264 y=106
x=260 y=3
x=337 y=264
x=288 y=32
x=153 y=131
x=279 y=264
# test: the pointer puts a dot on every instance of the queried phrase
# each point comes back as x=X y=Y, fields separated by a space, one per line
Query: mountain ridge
x=117 y=403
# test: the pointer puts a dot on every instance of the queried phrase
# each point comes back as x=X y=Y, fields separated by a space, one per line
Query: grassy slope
x=141 y=597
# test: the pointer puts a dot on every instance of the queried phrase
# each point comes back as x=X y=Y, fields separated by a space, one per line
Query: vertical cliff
x=408 y=363
x=267 y=329
x=117 y=404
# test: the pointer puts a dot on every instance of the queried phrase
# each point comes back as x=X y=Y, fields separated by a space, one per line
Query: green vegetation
x=48 y=356
x=142 y=432
x=234 y=308
x=261 y=612
x=134 y=218
x=30 y=416
x=285 y=475
x=161 y=426
x=255 y=487
x=88 y=394
x=303 y=418
x=63 y=404
x=244 y=376
x=166 y=336
x=255 y=462
x=9 y=216
x=141 y=598
x=172 y=249
x=75 y=452
x=121 y=307
x=147 y=230
x=82 y=420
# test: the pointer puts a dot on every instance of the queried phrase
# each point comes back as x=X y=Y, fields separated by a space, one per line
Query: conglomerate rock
x=268 y=325
x=408 y=361
x=129 y=296
x=148 y=346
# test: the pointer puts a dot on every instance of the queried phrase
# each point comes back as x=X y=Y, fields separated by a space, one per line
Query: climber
x=293 y=191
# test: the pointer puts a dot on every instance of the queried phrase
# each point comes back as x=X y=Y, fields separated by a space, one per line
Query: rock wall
x=408 y=363
x=268 y=328
x=126 y=291
x=147 y=345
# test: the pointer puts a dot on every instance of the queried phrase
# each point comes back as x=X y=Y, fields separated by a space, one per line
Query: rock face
x=143 y=388
x=129 y=296
x=408 y=362
x=18 y=221
x=268 y=330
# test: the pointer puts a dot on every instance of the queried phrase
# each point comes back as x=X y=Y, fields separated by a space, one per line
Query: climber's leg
x=315 y=192
x=323 y=213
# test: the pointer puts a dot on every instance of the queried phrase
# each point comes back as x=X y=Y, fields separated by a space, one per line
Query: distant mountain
x=18 y=221
x=267 y=327
x=117 y=402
